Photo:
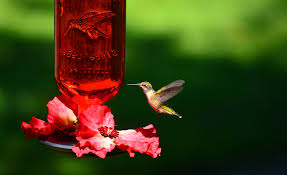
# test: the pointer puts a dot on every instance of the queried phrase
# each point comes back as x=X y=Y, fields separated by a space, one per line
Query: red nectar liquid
x=89 y=49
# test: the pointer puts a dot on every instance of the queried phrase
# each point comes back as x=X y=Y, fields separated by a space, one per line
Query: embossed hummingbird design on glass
x=89 y=22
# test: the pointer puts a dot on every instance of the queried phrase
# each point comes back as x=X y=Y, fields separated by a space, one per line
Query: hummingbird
x=157 y=99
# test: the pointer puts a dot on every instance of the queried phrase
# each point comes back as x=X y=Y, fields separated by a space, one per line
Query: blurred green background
x=231 y=53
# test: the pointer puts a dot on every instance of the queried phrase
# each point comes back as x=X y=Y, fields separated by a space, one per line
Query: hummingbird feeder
x=89 y=71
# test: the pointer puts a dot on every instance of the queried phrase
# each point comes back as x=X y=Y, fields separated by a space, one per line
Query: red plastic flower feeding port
x=92 y=132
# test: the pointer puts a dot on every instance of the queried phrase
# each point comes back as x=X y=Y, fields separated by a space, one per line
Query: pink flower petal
x=97 y=145
x=95 y=117
x=89 y=138
x=36 y=127
x=143 y=140
x=60 y=115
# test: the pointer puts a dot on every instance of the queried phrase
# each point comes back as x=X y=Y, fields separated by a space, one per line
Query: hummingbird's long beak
x=133 y=84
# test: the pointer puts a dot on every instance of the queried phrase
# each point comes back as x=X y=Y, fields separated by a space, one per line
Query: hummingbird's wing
x=173 y=84
x=89 y=14
x=94 y=18
x=169 y=91
x=94 y=33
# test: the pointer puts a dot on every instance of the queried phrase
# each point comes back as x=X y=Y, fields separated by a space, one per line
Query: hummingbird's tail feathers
x=176 y=114
x=168 y=110
x=179 y=116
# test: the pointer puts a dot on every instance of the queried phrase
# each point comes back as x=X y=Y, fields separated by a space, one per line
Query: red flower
x=89 y=135
x=97 y=135
x=60 y=116
x=36 y=127
x=61 y=123
x=142 y=140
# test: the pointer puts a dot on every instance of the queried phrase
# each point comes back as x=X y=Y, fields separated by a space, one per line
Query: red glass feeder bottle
x=89 y=49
